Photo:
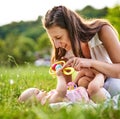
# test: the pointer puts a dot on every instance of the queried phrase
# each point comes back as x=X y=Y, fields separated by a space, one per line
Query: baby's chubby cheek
x=40 y=95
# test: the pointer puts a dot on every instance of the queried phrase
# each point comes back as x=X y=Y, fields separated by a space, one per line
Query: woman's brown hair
x=78 y=28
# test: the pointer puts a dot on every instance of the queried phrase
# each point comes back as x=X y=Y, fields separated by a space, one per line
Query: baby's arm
x=61 y=89
x=95 y=87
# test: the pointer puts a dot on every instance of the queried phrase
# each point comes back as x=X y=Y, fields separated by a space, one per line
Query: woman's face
x=60 y=37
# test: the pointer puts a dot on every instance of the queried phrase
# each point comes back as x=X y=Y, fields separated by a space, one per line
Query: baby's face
x=41 y=96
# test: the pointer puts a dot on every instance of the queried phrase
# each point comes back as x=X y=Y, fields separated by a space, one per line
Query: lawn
x=14 y=80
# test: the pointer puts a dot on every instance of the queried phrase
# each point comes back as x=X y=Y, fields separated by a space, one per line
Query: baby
x=93 y=81
x=63 y=93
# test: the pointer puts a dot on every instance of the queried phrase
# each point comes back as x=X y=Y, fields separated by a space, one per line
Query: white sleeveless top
x=97 y=50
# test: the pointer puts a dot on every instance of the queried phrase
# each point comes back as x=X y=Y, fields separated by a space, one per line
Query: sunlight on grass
x=14 y=80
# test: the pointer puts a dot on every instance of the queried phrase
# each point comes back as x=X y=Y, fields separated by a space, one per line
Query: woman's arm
x=110 y=41
x=110 y=70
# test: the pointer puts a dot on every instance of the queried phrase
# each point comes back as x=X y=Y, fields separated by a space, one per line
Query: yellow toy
x=58 y=65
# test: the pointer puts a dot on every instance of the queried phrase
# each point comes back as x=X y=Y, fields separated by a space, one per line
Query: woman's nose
x=57 y=43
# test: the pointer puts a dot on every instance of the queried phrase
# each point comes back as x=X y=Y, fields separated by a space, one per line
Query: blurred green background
x=25 y=42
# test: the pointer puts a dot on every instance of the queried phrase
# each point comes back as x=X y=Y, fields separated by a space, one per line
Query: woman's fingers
x=73 y=62
x=68 y=63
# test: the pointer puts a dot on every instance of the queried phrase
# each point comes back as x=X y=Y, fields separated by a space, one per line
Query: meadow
x=14 y=80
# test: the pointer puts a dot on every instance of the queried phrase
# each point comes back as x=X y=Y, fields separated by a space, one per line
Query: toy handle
x=68 y=70
x=52 y=72
x=58 y=65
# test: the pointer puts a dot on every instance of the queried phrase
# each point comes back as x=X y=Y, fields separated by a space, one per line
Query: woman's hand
x=78 y=63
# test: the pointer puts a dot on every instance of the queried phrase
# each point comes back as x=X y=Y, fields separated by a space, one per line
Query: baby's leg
x=84 y=81
x=96 y=91
x=101 y=95
x=84 y=76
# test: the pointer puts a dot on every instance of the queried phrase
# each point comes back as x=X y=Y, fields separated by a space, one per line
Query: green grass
x=14 y=80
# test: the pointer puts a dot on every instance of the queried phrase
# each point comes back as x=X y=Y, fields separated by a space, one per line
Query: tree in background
x=44 y=45
x=24 y=50
x=91 y=12
x=114 y=17
x=17 y=50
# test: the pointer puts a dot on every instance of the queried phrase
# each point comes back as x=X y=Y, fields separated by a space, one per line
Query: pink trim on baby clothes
x=78 y=94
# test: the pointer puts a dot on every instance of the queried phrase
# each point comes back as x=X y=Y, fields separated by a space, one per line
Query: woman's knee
x=112 y=85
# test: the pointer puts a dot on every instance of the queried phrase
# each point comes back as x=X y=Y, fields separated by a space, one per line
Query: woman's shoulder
x=106 y=31
x=106 y=28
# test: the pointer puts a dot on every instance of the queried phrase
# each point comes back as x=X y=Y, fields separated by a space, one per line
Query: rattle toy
x=71 y=86
x=56 y=66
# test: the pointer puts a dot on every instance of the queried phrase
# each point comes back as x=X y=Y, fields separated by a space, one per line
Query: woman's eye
x=58 y=38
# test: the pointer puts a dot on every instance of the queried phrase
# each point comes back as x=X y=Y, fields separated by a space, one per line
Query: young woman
x=90 y=44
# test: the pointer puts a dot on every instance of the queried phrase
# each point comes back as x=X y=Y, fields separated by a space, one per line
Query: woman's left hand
x=78 y=63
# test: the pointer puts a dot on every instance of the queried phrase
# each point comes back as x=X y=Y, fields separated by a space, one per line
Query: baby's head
x=33 y=93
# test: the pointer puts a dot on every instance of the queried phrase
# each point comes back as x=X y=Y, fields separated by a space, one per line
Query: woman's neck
x=85 y=50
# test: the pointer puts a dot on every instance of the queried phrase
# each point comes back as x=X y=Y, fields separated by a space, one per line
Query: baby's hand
x=59 y=72
x=58 y=68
